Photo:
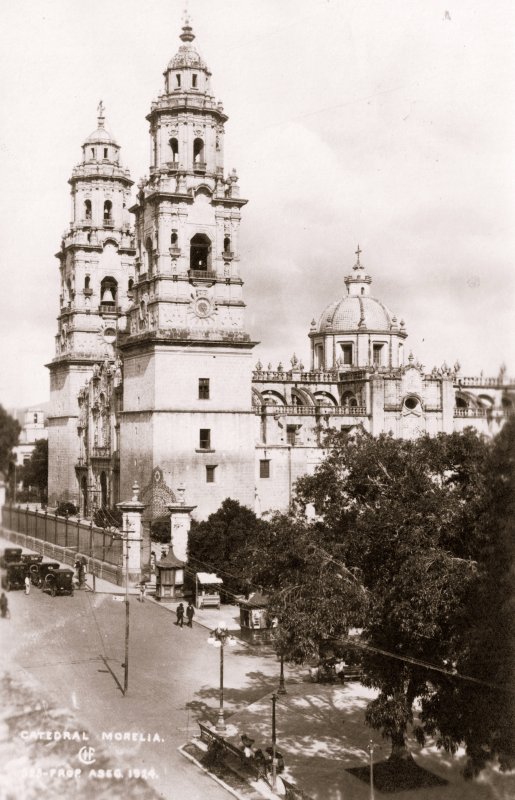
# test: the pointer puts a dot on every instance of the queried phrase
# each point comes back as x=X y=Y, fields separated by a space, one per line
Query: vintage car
x=37 y=572
x=10 y=555
x=58 y=581
x=30 y=559
x=14 y=577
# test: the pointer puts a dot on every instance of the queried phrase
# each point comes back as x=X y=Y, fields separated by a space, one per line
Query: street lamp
x=219 y=638
x=371 y=751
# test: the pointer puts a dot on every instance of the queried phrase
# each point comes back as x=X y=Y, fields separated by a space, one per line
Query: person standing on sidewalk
x=190 y=613
x=180 y=615
x=4 y=606
x=142 y=591
x=27 y=584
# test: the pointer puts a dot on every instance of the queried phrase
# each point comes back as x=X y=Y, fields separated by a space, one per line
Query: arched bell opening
x=108 y=292
x=200 y=253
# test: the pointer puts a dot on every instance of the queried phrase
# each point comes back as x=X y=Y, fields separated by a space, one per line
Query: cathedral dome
x=353 y=313
x=100 y=136
x=187 y=56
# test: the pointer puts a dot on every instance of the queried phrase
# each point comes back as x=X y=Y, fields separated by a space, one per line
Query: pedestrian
x=142 y=591
x=4 y=606
x=82 y=576
x=190 y=613
x=27 y=584
x=180 y=615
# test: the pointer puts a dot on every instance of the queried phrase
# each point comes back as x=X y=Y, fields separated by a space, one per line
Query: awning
x=208 y=578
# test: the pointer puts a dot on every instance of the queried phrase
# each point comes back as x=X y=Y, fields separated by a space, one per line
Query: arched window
x=130 y=284
x=174 y=147
x=461 y=402
x=200 y=252
x=148 y=256
x=108 y=292
x=198 y=151
x=87 y=281
x=108 y=207
x=349 y=399
x=84 y=493
x=227 y=244
x=87 y=209
x=174 y=239
x=103 y=490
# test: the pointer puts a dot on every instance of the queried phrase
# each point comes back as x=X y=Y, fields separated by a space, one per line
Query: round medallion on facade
x=203 y=307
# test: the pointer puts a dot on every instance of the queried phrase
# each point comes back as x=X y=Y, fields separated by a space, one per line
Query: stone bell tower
x=187 y=370
x=96 y=263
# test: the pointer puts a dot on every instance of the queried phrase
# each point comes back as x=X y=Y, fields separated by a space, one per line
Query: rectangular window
x=210 y=473
x=347 y=353
x=203 y=388
x=105 y=152
x=194 y=81
x=291 y=434
x=205 y=439
x=264 y=468
x=178 y=79
x=377 y=356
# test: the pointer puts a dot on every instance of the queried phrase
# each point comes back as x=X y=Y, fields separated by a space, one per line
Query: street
x=74 y=648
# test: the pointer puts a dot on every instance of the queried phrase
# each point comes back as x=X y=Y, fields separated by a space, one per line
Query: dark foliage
x=9 y=434
x=35 y=473
x=108 y=517
x=222 y=544
x=66 y=509
x=160 y=530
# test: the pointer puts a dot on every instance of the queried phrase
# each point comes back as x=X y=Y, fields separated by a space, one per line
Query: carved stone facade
x=152 y=378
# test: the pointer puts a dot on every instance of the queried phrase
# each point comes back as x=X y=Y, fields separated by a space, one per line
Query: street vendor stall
x=254 y=618
x=207 y=590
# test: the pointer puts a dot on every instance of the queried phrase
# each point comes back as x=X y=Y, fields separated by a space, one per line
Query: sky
x=388 y=123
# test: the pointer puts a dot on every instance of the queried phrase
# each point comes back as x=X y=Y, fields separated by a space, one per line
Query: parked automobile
x=10 y=555
x=14 y=577
x=39 y=571
x=58 y=581
x=30 y=559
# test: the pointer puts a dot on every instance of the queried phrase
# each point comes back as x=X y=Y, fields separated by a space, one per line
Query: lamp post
x=274 y=759
x=371 y=751
x=282 y=687
x=219 y=638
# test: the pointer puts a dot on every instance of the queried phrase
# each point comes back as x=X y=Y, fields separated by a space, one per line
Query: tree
x=313 y=595
x=400 y=514
x=480 y=712
x=9 y=434
x=35 y=472
x=218 y=544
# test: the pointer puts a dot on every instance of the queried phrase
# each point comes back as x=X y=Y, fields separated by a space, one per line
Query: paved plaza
x=72 y=649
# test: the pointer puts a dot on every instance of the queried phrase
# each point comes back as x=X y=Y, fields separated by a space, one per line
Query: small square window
x=203 y=388
x=291 y=434
x=377 y=355
x=210 y=473
x=194 y=81
x=347 y=353
x=264 y=468
x=205 y=439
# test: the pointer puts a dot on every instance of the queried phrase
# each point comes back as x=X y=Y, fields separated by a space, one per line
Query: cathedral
x=153 y=377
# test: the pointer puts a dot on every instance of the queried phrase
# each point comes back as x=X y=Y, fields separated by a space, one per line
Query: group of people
x=190 y=613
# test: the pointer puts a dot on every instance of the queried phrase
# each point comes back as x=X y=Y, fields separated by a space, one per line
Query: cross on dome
x=101 y=116
x=187 y=34
x=358 y=264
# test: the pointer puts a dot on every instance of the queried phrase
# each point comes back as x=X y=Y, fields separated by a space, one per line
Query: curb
x=210 y=774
